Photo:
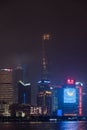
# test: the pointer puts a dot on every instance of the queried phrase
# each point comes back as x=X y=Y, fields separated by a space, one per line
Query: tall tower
x=44 y=97
x=45 y=39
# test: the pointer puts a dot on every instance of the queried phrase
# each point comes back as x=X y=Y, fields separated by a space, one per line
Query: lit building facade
x=84 y=100
x=6 y=86
x=67 y=99
x=55 y=93
x=44 y=97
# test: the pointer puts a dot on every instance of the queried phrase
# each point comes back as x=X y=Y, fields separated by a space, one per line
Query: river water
x=63 y=125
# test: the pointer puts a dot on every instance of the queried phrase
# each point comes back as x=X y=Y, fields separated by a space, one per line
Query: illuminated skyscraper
x=24 y=93
x=9 y=84
x=44 y=96
x=67 y=99
x=6 y=86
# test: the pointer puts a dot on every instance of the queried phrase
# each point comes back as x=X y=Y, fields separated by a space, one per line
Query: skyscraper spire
x=45 y=38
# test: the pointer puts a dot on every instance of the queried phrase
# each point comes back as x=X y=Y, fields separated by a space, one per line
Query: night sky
x=22 y=23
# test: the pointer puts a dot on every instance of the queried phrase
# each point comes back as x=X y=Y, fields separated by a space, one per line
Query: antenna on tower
x=45 y=38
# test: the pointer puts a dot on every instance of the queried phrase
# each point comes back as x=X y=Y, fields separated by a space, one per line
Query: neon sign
x=69 y=95
x=70 y=81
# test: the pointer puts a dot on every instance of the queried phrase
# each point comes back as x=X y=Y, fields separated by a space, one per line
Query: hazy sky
x=22 y=24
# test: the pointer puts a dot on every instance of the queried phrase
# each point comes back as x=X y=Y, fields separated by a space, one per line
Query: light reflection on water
x=64 y=125
x=74 y=125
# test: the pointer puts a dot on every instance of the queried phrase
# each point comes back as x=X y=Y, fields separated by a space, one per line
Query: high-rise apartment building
x=6 y=86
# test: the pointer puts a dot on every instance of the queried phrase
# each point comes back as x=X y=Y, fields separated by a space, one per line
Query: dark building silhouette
x=44 y=97
x=24 y=93
x=17 y=76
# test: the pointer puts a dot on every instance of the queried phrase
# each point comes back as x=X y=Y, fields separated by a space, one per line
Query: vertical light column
x=80 y=101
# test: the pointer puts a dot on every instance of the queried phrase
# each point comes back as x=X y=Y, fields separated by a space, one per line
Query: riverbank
x=42 y=118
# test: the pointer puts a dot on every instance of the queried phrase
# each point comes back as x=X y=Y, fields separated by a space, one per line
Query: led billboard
x=59 y=112
x=69 y=95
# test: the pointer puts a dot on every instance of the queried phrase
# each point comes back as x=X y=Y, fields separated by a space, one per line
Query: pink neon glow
x=70 y=81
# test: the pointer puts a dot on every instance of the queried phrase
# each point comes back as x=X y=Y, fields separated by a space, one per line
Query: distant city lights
x=9 y=70
x=44 y=81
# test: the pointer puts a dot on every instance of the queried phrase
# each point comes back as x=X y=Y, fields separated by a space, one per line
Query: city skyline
x=22 y=26
x=57 y=99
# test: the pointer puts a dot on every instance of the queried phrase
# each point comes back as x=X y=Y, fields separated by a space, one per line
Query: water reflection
x=73 y=125
x=69 y=125
x=64 y=125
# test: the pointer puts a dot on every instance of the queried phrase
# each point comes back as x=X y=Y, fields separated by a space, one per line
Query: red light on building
x=70 y=81
x=46 y=37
